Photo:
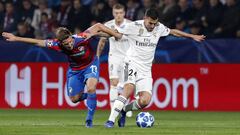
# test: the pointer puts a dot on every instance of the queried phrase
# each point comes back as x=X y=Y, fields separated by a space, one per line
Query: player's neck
x=118 y=23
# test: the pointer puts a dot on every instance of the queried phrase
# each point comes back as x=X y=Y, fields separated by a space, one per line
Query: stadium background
x=190 y=78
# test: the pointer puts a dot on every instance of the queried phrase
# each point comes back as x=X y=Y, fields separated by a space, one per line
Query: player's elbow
x=98 y=26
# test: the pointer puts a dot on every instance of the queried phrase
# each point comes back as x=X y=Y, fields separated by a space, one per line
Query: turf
x=71 y=122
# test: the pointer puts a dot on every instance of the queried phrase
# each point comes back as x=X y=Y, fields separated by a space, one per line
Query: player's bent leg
x=91 y=100
x=144 y=98
x=143 y=101
x=119 y=104
x=128 y=90
x=79 y=97
x=113 y=93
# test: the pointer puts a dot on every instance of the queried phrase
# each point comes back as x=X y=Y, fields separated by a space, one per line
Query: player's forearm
x=179 y=33
x=103 y=34
x=36 y=42
x=101 y=45
x=109 y=31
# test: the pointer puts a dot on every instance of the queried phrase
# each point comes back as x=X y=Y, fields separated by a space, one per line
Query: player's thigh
x=75 y=83
x=114 y=67
x=129 y=74
x=91 y=76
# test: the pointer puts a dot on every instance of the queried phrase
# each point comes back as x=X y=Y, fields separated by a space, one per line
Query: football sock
x=83 y=96
x=117 y=107
x=91 y=104
x=113 y=94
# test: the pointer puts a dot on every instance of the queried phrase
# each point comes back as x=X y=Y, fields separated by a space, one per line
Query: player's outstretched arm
x=98 y=27
x=12 y=38
x=179 y=33
x=101 y=45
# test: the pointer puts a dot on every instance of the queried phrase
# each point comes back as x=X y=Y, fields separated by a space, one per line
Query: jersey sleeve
x=129 y=29
x=163 y=30
x=52 y=44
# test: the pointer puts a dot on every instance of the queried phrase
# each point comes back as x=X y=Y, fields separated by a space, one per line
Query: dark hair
x=44 y=14
x=152 y=13
x=62 y=33
x=118 y=6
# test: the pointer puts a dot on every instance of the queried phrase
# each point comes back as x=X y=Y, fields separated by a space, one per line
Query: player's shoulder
x=161 y=26
x=127 y=20
x=138 y=23
x=51 y=42
x=80 y=37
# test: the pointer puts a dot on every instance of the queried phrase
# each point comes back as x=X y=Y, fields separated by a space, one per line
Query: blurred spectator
x=37 y=14
x=185 y=10
x=63 y=13
x=80 y=16
x=211 y=20
x=98 y=12
x=86 y=2
x=169 y=12
x=10 y=18
x=23 y=30
x=199 y=10
x=27 y=12
x=1 y=15
x=195 y=28
x=180 y=24
x=238 y=33
x=45 y=26
x=108 y=10
x=54 y=3
x=230 y=21
x=146 y=5
x=131 y=11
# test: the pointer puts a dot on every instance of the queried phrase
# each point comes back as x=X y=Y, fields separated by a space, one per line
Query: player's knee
x=144 y=101
x=114 y=82
x=74 y=99
x=91 y=89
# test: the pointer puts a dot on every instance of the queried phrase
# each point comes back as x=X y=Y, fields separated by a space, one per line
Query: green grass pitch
x=71 y=122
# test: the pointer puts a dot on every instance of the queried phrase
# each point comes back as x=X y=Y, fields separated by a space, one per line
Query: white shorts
x=142 y=80
x=115 y=66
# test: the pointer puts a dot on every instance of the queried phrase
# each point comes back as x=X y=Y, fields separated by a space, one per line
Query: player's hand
x=9 y=36
x=199 y=38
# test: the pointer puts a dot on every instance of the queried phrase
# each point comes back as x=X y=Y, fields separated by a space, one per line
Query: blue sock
x=83 y=96
x=91 y=104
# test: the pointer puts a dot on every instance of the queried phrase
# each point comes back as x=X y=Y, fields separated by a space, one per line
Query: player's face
x=118 y=14
x=68 y=43
x=150 y=24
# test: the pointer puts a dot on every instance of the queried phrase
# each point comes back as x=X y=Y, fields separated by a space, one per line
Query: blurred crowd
x=39 y=18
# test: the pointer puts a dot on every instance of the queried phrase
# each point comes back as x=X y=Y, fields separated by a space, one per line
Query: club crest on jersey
x=81 y=48
x=112 y=27
x=155 y=34
x=140 y=31
x=50 y=43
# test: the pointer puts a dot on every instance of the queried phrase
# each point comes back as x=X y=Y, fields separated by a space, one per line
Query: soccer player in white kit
x=117 y=52
x=143 y=36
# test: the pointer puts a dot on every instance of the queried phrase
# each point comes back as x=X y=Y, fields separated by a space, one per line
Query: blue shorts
x=76 y=80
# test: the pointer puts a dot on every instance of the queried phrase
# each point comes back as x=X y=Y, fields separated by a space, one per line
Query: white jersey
x=142 y=43
x=120 y=47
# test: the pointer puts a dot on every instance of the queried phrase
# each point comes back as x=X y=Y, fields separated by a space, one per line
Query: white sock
x=113 y=94
x=117 y=107
x=132 y=106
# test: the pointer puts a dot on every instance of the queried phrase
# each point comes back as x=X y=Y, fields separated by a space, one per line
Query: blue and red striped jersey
x=82 y=54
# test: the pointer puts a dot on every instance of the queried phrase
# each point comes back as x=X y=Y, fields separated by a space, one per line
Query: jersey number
x=94 y=69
